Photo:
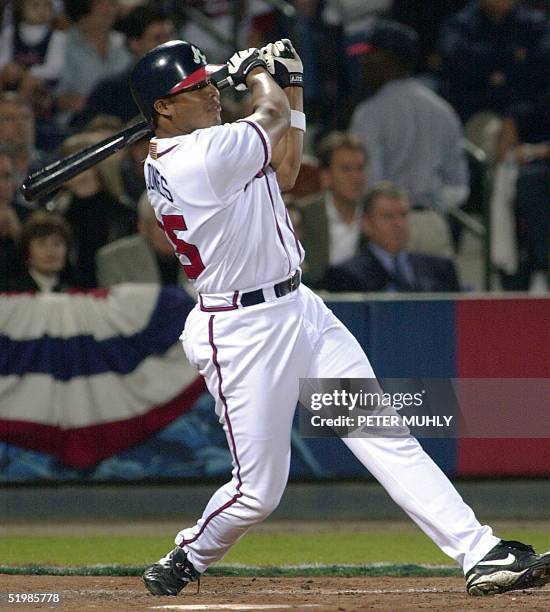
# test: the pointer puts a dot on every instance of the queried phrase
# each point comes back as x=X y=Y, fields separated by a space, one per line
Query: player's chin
x=213 y=117
x=216 y=114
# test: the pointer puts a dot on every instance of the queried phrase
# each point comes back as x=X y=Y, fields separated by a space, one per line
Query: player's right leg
x=251 y=360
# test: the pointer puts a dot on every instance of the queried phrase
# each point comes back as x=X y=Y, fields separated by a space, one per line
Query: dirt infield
x=115 y=594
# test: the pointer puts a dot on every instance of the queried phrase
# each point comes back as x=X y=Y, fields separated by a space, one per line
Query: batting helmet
x=165 y=70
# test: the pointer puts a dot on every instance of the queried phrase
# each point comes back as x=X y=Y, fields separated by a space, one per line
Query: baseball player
x=256 y=329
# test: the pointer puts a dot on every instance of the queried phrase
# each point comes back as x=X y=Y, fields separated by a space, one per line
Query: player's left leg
x=407 y=473
x=417 y=484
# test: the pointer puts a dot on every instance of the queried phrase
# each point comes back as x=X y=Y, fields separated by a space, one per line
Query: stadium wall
x=59 y=355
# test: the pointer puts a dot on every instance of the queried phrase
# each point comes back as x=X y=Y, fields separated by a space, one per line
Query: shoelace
x=184 y=570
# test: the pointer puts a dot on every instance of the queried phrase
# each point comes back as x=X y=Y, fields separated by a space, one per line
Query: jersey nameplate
x=157 y=182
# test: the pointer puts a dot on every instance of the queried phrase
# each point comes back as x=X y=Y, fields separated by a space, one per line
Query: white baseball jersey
x=218 y=201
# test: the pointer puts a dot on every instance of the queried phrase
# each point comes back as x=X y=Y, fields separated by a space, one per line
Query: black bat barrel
x=51 y=177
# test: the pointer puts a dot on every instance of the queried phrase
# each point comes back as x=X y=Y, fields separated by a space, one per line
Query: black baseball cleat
x=171 y=574
x=509 y=566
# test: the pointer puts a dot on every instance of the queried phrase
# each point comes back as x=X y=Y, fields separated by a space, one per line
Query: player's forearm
x=287 y=157
x=271 y=105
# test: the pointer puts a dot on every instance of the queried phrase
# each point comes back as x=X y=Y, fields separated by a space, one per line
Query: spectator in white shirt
x=414 y=137
x=32 y=53
x=93 y=52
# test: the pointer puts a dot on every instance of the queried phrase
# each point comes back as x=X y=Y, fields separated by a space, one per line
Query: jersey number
x=171 y=223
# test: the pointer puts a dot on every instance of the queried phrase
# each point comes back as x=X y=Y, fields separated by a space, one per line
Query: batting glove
x=240 y=64
x=283 y=63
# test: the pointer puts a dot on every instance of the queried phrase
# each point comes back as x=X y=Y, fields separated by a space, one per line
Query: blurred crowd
x=420 y=112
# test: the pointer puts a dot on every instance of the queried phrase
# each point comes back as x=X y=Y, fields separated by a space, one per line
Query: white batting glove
x=240 y=64
x=283 y=63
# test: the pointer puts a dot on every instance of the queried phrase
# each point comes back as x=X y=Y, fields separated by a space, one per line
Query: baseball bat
x=52 y=176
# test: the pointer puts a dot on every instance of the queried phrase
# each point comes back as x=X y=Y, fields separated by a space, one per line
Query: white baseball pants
x=252 y=359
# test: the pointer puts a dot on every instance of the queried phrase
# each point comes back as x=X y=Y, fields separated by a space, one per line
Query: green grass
x=258 y=549
x=239 y=570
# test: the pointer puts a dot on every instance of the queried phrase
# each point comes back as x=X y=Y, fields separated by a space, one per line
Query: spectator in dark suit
x=426 y=18
x=44 y=246
x=494 y=53
x=384 y=264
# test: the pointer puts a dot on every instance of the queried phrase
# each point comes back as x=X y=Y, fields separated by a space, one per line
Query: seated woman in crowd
x=44 y=245
x=91 y=204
